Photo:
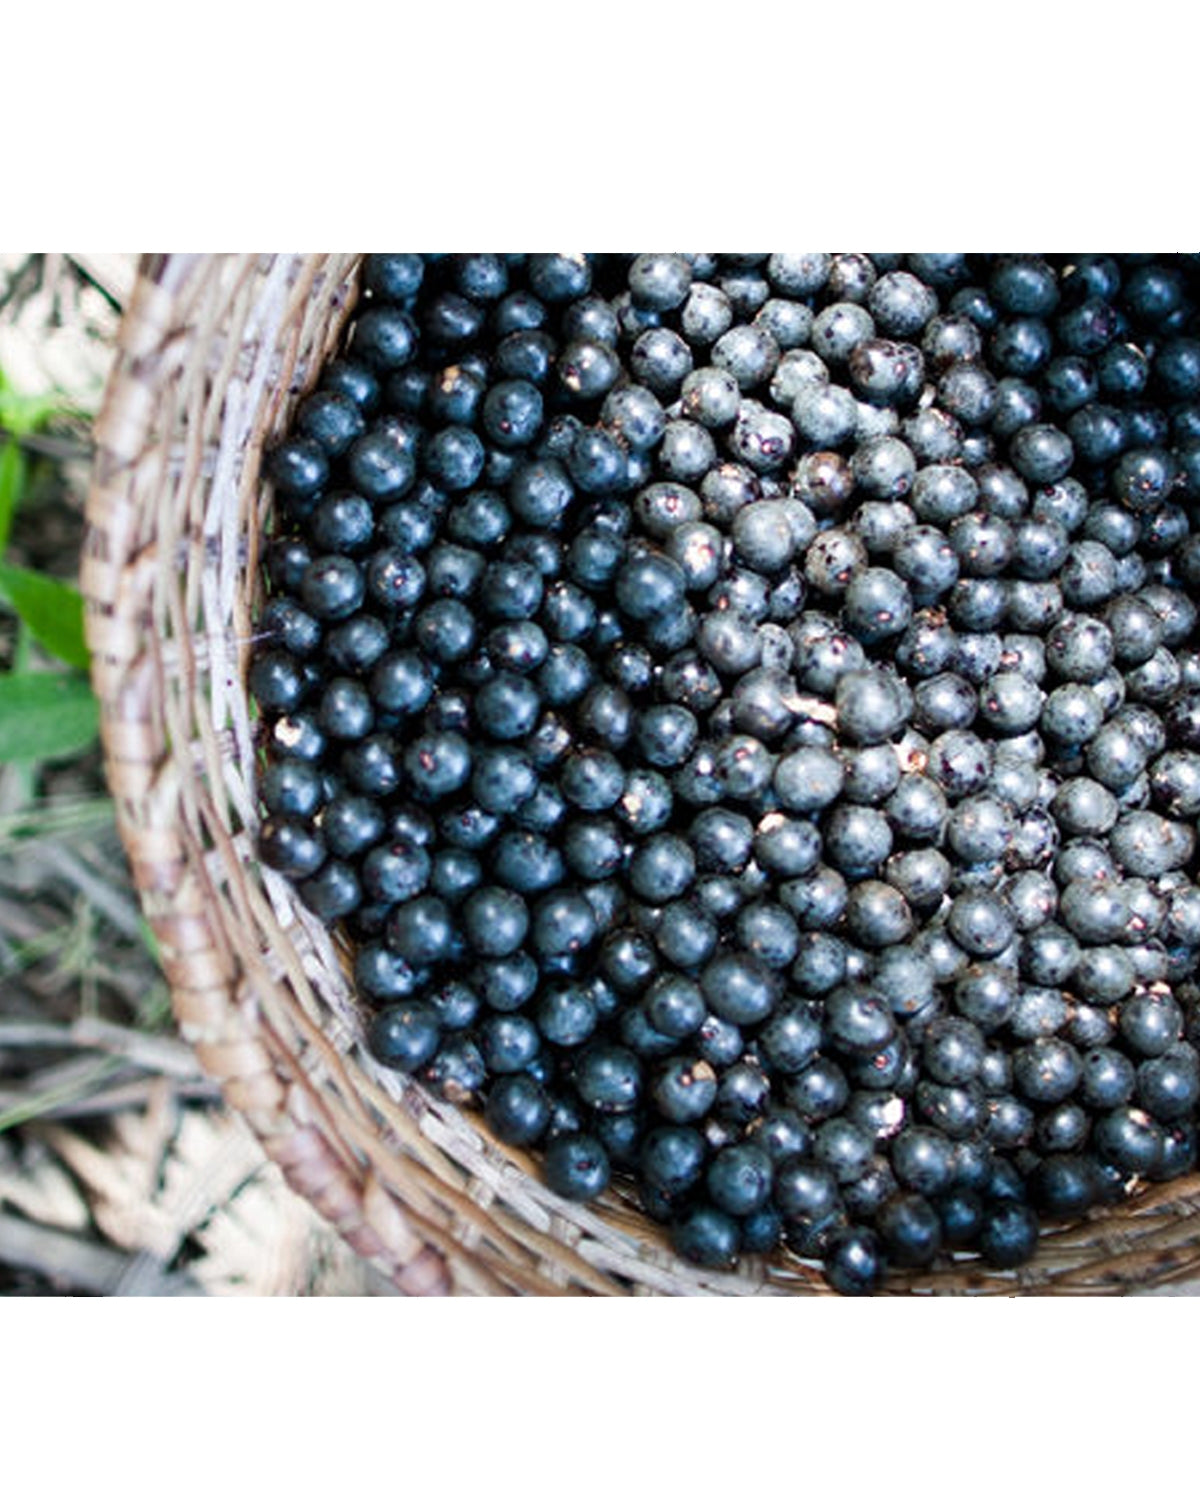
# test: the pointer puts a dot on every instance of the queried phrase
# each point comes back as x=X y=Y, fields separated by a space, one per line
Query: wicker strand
x=215 y=351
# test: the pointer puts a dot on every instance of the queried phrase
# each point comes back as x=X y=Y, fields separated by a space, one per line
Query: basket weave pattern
x=214 y=353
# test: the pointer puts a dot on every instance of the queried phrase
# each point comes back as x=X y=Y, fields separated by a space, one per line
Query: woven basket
x=213 y=355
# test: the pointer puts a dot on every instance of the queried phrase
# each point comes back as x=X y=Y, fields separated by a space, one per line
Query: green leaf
x=45 y=716
x=24 y=415
x=13 y=475
x=53 y=611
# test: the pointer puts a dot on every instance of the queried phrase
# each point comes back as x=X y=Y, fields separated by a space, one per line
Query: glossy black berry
x=707 y=1237
x=518 y=1109
x=910 y=1230
x=577 y=1167
x=405 y=1036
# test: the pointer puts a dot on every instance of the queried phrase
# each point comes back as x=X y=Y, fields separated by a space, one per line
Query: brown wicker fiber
x=214 y=353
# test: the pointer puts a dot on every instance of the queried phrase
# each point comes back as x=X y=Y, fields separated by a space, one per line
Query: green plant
x=46 y=713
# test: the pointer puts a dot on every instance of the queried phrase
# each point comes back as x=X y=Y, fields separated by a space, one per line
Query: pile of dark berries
x=745 y=712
